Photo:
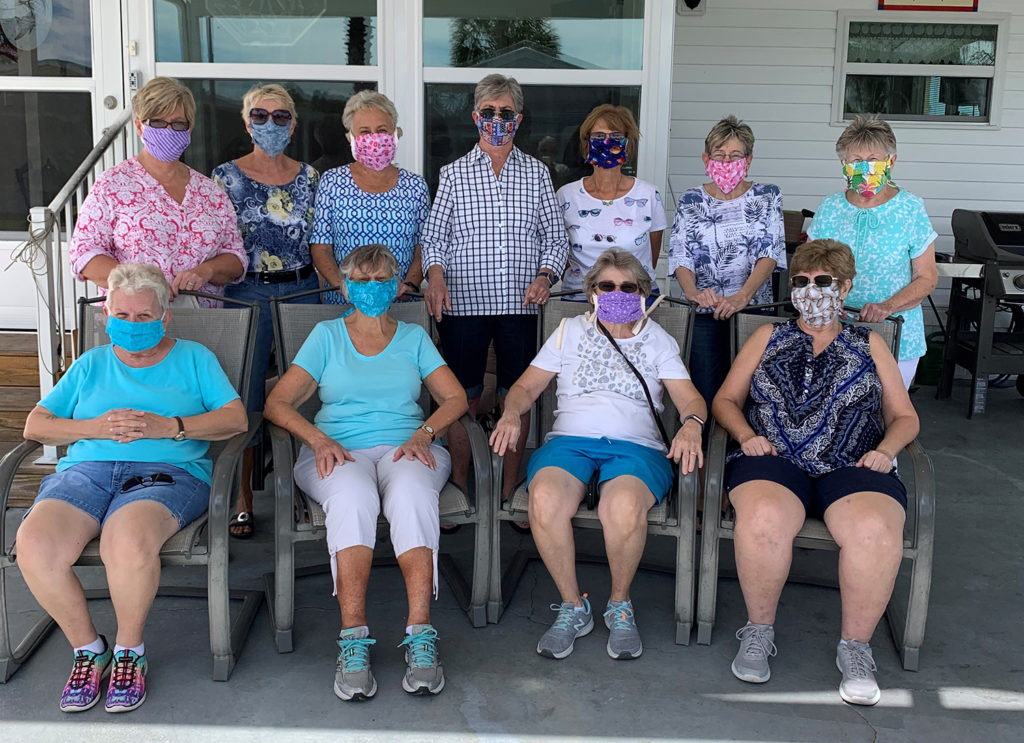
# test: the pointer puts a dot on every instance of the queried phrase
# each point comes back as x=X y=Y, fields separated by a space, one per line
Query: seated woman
x=601 y=396
x=371 y=449
x=137 y=416
x=827 y=413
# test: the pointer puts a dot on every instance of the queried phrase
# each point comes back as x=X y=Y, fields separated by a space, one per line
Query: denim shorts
x=581 y=456
x=96 y=488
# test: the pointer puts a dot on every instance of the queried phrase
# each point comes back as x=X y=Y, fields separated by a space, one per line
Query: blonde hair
x=866 y=131
x=622 y=260
x=274 y=92
x=160 y=96
x=369 y=258
x=132 y=278
x=368 y=99
x=725 y=130
x=619 y=118
x=830 y=255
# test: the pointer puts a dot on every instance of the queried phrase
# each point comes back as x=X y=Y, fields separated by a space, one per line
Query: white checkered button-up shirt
x=492 y=235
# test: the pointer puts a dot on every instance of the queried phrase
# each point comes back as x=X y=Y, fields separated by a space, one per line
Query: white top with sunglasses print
x=594 y=226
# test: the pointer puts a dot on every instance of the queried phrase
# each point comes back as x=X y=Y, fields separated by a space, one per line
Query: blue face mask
x=134 y=336
x=270 y=137
x=372 y=298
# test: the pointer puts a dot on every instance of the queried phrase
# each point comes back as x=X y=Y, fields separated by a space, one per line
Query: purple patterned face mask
x=619 y=307
x=166 y=144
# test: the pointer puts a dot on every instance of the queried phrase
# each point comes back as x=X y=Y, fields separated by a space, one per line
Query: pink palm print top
x=129 y=217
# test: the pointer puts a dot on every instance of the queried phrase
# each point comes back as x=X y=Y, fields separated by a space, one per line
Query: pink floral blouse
x=129 y=217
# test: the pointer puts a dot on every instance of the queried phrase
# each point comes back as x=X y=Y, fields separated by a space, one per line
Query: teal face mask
x=135 y=336
x=372 y=298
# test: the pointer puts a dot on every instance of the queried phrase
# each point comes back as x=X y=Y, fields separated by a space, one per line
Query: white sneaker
x=858 y=685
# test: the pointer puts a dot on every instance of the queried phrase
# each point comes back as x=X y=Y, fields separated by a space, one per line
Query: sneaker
x=82 y=690
x=858 y=685
x=353 y=679
x=127 y=689
x=757 y=645
x=424 y=672
x=558 y=641
x=623 y=635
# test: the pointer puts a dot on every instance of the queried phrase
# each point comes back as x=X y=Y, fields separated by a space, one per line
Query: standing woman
x=726 y=241
x=154 y=209
x=607 y=208
x=889 y=231
x=372 y=200
x=273 y=198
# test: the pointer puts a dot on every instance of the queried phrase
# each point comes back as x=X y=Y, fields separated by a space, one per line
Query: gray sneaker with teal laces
x=424 y=672
x=858 y=686
x=570 y=623
x=353 y=679
x=623 y=636
x=757 y=645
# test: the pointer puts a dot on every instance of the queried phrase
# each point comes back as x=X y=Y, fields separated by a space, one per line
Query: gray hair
x=369 y=258
x=725 y=130
x=866 y=131
x=622 y=260
x=368 y=99
x=132 y=278
x=494 y=86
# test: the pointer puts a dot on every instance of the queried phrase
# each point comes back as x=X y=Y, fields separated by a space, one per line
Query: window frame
x=996 y=73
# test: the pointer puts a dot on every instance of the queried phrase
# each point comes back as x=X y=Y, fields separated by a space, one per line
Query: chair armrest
x=8 y=469
x=924 y=489
x=224 y=469
x=284 y=486
x=714 y=472
x=481 y=454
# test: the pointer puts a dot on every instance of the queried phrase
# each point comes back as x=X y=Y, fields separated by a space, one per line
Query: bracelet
x=692 y=417
x=552 y=279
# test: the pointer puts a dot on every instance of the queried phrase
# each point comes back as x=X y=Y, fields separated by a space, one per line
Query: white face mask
x=818 y=306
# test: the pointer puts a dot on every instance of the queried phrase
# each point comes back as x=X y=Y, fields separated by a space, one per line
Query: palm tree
x=473 y=40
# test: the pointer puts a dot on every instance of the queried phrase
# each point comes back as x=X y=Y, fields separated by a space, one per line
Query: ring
x=190 y=285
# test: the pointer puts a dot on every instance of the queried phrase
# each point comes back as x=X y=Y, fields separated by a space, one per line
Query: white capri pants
x=354 y=493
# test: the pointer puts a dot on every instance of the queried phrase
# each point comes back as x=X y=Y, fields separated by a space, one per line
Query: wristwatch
x=552 y=279
x=695 y=418
x=180 y=436
x=429 y=430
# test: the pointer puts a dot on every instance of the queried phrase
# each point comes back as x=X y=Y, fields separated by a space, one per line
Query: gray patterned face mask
x=818 y=306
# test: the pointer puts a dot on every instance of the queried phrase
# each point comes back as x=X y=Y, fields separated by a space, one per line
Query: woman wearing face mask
x=726 y=241
x=604 y=424
x=889 y=231
x=371 y=200
x=273 y=198
x=370 y=449
x=825 y=414
x=155 y=209
x=609 y=208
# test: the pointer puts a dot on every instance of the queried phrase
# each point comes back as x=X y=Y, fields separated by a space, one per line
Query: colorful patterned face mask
x=818 y=306
x=270 y=137
x=497 y=131
x=375 y=150
x=619 y=307
x=727 y=175
x=607 y=153
x=868 y=177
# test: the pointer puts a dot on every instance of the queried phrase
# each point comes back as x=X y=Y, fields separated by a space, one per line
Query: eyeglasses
x=260 y=116
x=178 y=126
x=601 y=136
x=505 y=114
x=626 y=286
x=722 y=157
x=589 y=212
x=605 y=238
x=822 y=280
x=157 y=478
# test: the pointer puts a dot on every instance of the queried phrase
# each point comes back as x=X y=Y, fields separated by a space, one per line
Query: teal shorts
x=581 y=456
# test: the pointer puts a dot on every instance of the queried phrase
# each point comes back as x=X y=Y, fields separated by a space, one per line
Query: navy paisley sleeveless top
x=820 y=412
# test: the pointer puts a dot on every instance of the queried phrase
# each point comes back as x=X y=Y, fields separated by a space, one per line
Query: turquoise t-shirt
x=188 y=381
x=884 y=240
x=368 y=400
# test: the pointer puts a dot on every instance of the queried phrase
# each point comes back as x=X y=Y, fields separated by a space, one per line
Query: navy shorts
x=816 y=492
x=466 y=338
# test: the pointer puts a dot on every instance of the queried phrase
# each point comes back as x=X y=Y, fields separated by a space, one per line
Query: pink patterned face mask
x=818 y=306
x=727 y=175
x=375 y=150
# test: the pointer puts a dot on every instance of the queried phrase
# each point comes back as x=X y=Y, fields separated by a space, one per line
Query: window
x=920 y=66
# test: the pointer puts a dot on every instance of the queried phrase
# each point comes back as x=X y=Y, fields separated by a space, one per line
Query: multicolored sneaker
x=353 y=679
x=570 y=624
x=623 y=635
x=127 y=689
x=82 y=690
x=424 y=672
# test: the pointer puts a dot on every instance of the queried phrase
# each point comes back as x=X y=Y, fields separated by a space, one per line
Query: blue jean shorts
x=581 y=456
x=98 y=488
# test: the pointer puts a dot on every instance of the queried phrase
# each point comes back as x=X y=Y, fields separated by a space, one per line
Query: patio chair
x=229 y=333
x=906 y=617
x=675 y=516
x=297 y=518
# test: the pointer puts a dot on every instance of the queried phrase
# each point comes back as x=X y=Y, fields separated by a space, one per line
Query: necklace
x=615 y=190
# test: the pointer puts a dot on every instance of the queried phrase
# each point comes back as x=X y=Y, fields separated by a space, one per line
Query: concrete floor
x=970 y=686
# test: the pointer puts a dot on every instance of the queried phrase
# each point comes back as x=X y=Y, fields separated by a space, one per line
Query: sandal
x=245 y=524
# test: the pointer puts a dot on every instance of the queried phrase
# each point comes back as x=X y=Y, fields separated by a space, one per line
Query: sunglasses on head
x=260 y=116
x=157 y=478
x=626 y=286
x=822 y=280
x=178 y=126
x=505 y=114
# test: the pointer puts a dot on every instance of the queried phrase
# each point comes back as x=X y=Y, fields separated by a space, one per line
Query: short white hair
x=368 y=99
x=132 y=278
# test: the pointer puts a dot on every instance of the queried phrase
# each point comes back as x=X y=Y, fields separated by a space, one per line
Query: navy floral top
x=820 y=412
x=275 y=221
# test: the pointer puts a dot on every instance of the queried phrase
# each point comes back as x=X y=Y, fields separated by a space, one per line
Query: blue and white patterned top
x=348 y=217
x=720 y=241
x=275 y=221
x=884 y=240
x=819 y=412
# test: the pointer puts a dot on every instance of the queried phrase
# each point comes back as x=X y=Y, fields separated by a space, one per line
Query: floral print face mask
x=375 y=150
x=727 y=175
x=868 y=177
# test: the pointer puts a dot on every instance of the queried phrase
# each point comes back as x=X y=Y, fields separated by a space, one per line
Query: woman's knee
x=767 y=514
x=41 y=545
x=551 y=502
x=624 y=505
x=872 y=530
x=126 y=546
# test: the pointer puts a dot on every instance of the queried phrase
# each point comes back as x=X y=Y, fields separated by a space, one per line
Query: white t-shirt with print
x=589 y=222
x=598 y=395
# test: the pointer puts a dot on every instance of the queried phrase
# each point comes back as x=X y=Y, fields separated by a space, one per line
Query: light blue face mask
x=270 y=137
x=134 y=336
x=372 y=298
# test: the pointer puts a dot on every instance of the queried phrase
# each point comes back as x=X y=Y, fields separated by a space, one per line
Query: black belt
x=281 y=277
